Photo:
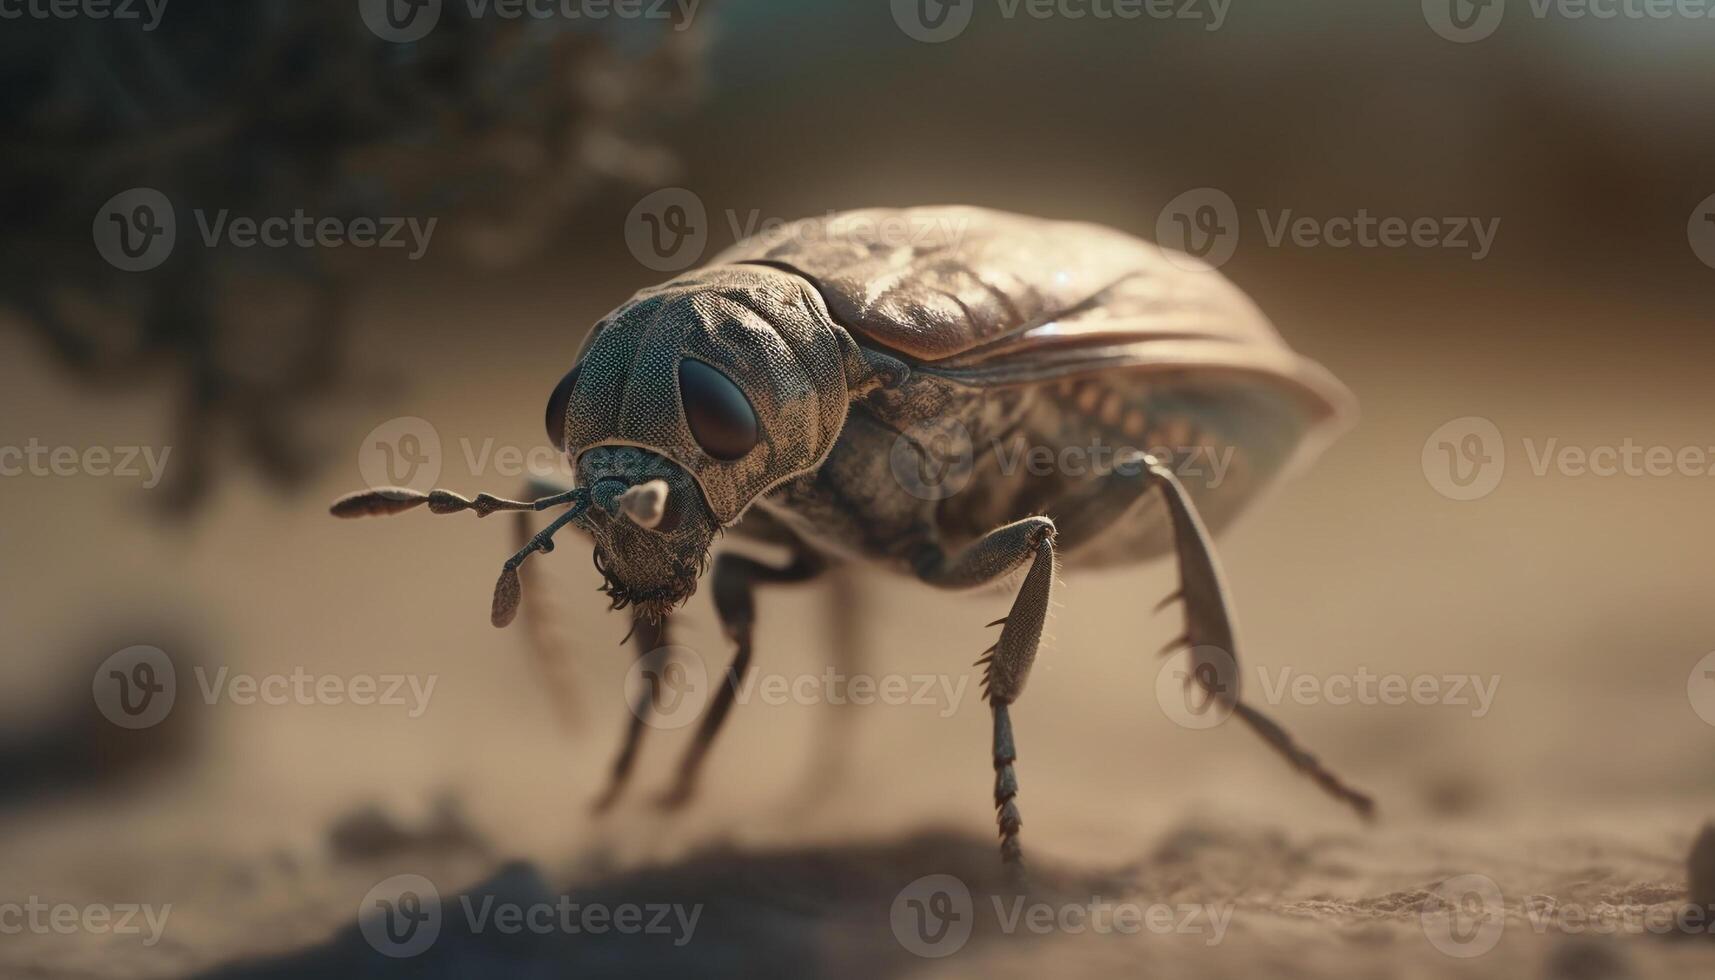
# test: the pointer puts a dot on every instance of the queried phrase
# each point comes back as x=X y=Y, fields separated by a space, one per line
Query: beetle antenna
x=508 y=591
x=383 y=501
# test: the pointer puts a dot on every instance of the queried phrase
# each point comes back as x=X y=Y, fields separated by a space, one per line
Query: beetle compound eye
x=557 y=403
x=720 y=416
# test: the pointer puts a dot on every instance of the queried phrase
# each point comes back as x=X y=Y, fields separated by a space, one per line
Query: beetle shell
x=1024 y=332
x=1041 y=335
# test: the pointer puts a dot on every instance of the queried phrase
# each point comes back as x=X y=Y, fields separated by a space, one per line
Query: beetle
x=859 y=387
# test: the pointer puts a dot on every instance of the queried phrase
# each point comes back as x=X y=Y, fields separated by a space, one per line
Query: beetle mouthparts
x=606 y=493
x=645 y=503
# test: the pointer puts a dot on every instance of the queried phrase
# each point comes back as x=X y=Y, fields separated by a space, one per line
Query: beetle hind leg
x=1209 y=630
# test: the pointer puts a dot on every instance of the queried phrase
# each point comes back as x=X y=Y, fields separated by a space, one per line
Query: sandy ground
x=1584 y=599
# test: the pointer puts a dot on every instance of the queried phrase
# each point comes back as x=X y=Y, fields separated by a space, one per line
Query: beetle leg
x=1007 y=663
x=549 y=657
x=1209 y=630
x=735 y=579
x=846 y=611
x=650 y=641
x=647 y=638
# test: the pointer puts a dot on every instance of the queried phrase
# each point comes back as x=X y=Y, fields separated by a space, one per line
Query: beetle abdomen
x=1056 y=455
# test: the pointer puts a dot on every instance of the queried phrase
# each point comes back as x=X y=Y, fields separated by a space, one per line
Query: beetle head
x=722 y=384
x=650 y=551
x=687 y=403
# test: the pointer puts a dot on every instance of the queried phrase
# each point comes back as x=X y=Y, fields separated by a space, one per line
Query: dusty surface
x=1585 y=782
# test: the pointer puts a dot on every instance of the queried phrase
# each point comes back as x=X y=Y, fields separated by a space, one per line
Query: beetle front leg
x=734 y=581
x=550 y=658
x=650 y=641
x=1006 y=664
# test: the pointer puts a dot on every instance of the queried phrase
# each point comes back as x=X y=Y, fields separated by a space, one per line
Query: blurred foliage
x=498 y=128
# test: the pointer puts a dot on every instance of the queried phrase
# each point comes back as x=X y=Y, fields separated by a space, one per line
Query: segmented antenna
x=383 y=501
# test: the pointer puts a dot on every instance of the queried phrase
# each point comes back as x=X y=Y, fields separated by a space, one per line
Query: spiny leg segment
x=1006 y=665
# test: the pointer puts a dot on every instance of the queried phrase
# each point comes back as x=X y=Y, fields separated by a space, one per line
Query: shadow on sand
x=813 y=912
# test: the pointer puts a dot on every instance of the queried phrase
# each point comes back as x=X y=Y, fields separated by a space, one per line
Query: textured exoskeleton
x=885 y=387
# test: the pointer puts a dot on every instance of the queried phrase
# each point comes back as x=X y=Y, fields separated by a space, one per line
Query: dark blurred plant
x=499 y=128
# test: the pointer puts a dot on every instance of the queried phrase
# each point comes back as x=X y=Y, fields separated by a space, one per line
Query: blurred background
x=182 y=406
